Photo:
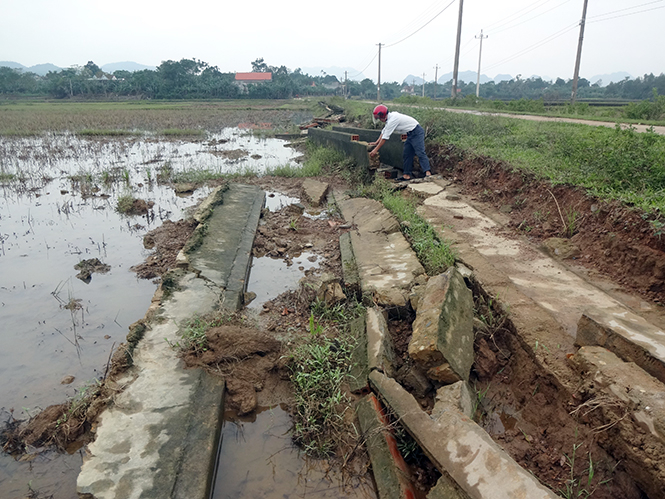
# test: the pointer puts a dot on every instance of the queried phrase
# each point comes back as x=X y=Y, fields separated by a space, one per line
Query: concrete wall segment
x=459 y=446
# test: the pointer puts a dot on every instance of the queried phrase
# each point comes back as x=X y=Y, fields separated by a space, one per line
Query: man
x=415 y=139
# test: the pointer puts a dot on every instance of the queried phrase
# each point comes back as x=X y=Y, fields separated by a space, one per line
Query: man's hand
x=373 y=152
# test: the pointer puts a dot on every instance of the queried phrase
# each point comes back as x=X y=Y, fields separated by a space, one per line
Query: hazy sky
x=526 y=37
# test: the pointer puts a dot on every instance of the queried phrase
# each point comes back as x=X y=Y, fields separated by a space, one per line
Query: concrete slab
x=149 y=436
x=391 y=473
x=380 y=353
x=358 y=379
x=224 y=253
x=442 y=339
x=429 y=188
x=386 y=264
x=391 y=152
x=627 y=335
x=459 y=447
x=341 y=141
x=159 y=439
x=627 y=406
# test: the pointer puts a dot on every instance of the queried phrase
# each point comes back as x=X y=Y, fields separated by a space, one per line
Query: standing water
x=57 y=208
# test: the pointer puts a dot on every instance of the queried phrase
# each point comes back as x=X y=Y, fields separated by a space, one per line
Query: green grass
x=318 y=370
x=611 y=163
x=434 y=253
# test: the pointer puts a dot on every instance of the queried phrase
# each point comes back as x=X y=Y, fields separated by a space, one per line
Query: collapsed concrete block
x=460 y=448
x=358 y=381
x=629 y=405
x=380 y=353
x=446 y=488
x=414 y=380
x=387 y=266
x=315 y=191
x=627 y=335
x=391 y=473
x=456 y=396
x=442 y=340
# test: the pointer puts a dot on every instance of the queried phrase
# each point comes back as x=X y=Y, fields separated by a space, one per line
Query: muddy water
x=48 y=224
x=257 y=459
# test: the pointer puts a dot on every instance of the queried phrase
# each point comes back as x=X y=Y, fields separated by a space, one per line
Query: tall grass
x=613 y=163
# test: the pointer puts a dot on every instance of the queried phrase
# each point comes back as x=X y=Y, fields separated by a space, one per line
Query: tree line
x=194 y=79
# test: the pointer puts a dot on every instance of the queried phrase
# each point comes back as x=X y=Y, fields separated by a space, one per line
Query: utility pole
x=579 y=54
x=423 y=84
x=453 y=92
x=480 y=54
x=346 y=84
x=436 y=75
x=378 y=87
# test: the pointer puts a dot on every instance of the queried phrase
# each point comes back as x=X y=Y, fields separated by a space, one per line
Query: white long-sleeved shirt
x=398 y=122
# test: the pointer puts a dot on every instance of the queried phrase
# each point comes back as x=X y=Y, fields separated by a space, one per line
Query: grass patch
x=194 y=330
x=105 y=133
x=125 y=204
x=318 y=369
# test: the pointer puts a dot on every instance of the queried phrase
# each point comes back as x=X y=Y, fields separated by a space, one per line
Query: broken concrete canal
x=160 y=437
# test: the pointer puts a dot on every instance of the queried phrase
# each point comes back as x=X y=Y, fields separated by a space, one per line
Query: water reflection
x=257 y=459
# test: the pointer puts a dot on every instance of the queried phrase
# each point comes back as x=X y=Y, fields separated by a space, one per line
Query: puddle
x=270 y=277
x=257 y=459
x=48 y=224
x=276 y=201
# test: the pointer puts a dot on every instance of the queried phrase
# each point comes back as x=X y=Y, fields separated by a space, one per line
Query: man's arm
x=378 y=145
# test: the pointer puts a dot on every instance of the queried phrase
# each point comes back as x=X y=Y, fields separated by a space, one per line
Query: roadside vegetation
x=611 y=163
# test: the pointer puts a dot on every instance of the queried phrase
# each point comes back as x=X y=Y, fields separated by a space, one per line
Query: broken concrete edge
x=359 y=372
x=198 y=466
x=631 y=341
x=630 y=405
x=391 y=474
x=380 y=352
x=442 y=340
x=207 y=206
x=315 y=191
x=233 y=296
x=457 y=445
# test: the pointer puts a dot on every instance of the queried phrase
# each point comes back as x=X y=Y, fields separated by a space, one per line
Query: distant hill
x=606 y=79
x=42 y=69
x=462 y=76
x=39 y=69
x=125 y=66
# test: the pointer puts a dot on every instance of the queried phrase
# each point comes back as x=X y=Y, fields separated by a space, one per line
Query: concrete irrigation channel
x=160 y=437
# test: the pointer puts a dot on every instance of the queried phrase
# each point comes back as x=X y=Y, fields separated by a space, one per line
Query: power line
x=363 y=69
x=626 y=15
x=506 y=20
x=532 y=18
x=536 y=45
x=416 y=31
x=415 y=22
x=628 y=8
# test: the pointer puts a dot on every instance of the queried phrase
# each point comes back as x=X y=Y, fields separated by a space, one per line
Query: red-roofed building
x=243 y=79
x=253 y=77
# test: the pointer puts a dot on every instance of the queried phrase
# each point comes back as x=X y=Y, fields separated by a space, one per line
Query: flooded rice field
x=58 y=202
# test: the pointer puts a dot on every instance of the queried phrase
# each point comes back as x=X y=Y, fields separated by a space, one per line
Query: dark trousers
x=415 y=146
